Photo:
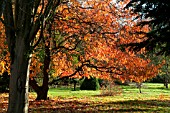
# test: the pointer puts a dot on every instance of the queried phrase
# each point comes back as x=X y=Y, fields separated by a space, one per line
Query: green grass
x=153 y=99
x=66 y=92
x=148 y=90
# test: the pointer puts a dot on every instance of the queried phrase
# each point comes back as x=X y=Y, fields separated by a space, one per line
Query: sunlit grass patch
x=69 y=93
x=153 y=99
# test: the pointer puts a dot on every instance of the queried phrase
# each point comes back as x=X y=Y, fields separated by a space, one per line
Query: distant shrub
x=91 y=83
x=157 y=79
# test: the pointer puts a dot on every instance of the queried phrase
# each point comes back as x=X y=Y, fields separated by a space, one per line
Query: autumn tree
x=155 y=14
x=23 y=20
x=165 y=71
x=40 y=65
x=102 y=27
x=84 y=44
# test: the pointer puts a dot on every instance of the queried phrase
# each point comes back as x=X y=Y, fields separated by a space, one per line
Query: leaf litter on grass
x=131 y=101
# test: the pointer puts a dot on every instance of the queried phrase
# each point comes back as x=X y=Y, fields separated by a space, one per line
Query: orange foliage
x=101 y=26
x=86 y=39
x=35 y=67
x=4 y=57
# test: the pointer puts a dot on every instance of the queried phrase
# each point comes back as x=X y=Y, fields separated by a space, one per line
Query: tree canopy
x=154 y=13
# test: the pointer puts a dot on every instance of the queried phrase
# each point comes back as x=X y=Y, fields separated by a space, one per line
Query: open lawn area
x=153 y=99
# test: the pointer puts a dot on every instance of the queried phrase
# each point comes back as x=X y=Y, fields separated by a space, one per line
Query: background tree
x=154 y=13
x=86 y=45
x=102 y=27
x=164 y=73
x=42 y=60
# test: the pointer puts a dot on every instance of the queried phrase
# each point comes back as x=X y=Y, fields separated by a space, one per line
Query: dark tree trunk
x=75 y=83
x=42 y=91
x=47 y=60
x=139 y=86
x=18 y=93
x=19 y=48
x=42 y=95
x=166 y=83
x=166 y=77
x=75 y=86
x=140 y=91
x=21 y=29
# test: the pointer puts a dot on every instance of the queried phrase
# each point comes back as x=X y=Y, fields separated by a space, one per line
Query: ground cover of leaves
x=94 y=104
x=153 y=99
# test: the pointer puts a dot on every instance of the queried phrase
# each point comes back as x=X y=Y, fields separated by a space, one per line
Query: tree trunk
x=18 y=93
x=75 y=85
x=139 y=86
x=42 y=91
x=166 y=83
x=74 y=82
x=45 y=72
x=166 y=77
x=21 y=27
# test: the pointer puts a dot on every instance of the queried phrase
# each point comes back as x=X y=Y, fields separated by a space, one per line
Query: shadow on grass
x=75 y=106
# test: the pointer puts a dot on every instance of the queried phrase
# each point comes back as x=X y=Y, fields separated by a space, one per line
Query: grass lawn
x=153 y=99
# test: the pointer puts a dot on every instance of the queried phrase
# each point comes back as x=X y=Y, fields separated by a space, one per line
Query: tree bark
x=166 y=82
x=166 y=77
x=18 y=93
x=74 y=82
x=139 y=86
x=21 y=29
x=17 y=31
x=42 y=91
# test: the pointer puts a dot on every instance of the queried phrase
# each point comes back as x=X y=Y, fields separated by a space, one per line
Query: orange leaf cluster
x=5 y=56
x=102 y=26
x=88 y=35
